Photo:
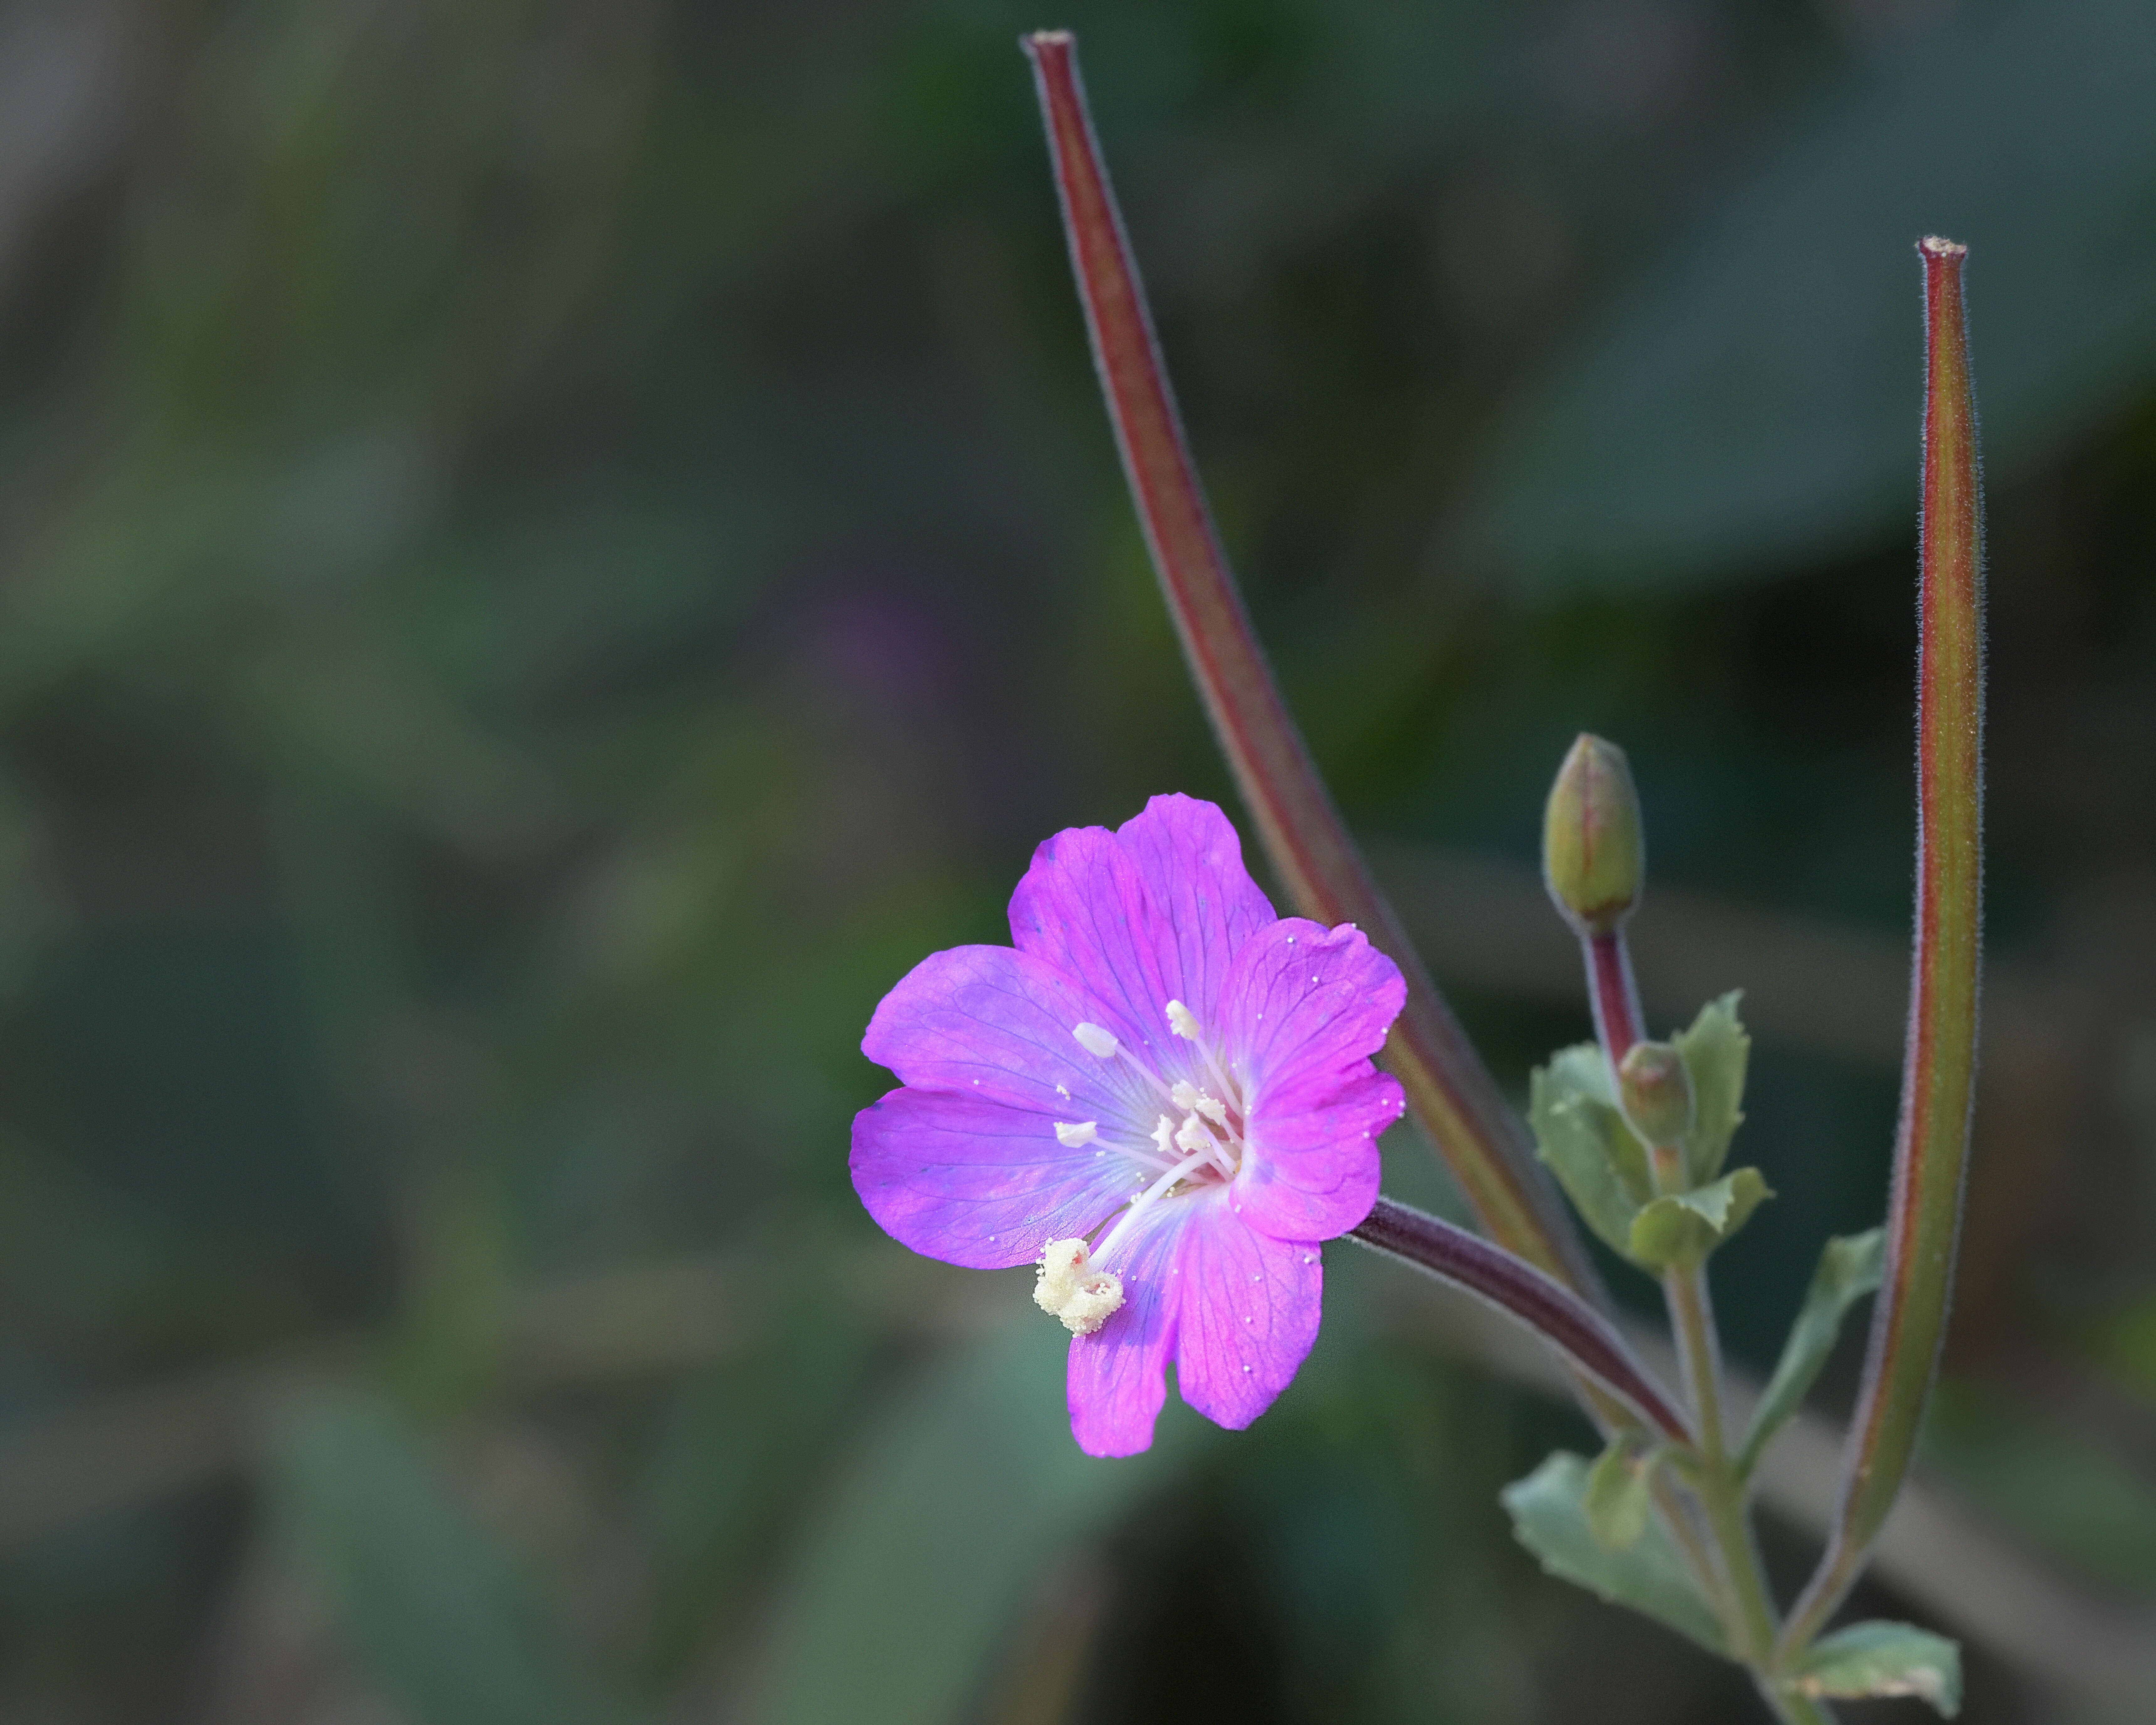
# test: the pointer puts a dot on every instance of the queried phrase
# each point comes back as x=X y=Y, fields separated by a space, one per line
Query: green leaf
x=1849 y=1268
x=1582 y=1138
x=1881 y=1658
x=1714 y=1050
x=1549 y=1517
x=436 y=1613
x=955 y=1515
x=1617 y=1498
x=1681 y=1229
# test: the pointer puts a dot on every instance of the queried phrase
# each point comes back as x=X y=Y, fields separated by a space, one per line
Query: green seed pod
x=1655 y=1091
x=1592 y=856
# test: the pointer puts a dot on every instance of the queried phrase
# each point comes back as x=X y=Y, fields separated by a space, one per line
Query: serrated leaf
x=1681 y=1229
x=1616 y=1500
x=1715 y=1051
x=436 y=1613
x=1584 y=1142
x=1549 y=1517
x=1849 y=1268
x=1881 y=1658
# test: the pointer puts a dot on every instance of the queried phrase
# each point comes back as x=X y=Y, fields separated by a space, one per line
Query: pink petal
x=1083 y=910
x=1311 y=1172
x=1117 y=1376
x=1304 y=1002
x=996 y=1025
x=976 y=1183
x=1306 y=1007
x=1204 y=901
x=1247 y=1314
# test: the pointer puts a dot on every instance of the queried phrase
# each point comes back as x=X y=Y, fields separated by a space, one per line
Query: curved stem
x=1586 y=1340
x=1452 y=1094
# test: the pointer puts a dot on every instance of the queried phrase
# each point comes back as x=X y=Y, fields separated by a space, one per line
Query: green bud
x=1593 y=857
x=1655 y=1090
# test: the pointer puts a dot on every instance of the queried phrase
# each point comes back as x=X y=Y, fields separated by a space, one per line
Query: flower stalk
x=1450 y=1091
x=1586 y=1339
x=1748 y=1609
x=1938 y=1070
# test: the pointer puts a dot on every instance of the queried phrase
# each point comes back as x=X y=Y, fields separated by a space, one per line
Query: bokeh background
x=550 y=549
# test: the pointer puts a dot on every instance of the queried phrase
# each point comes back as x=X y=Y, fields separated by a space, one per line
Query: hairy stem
x=1938 y=1067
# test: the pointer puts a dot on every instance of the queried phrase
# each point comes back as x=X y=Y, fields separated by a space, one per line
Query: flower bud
x=1655 y=1091
x=1593 y=857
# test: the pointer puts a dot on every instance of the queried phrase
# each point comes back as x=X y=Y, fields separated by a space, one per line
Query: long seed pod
x=1938 y=1067
x=1451 y=1093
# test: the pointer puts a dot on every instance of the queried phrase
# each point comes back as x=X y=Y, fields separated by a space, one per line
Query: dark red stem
x=1586 y=1339
x=1616 y=995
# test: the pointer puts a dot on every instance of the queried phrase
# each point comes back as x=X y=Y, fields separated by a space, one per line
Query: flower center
x=1197 y=1143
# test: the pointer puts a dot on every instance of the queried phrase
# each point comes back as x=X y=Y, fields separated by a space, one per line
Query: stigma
x=1070 y=1287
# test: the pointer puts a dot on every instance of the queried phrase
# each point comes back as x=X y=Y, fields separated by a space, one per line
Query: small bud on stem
x=1593 y=857
x=1655 y=1091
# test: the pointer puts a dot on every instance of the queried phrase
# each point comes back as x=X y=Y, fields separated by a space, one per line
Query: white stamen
x=1189 y=1096
x=1193 y=1137
x=1145 y=1199
x=1162 y=1134
x=1099 y=1043
x=1071 y=1288
x=1076 y=1137
x=1182 y=1020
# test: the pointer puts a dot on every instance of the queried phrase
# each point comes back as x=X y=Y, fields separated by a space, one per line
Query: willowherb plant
x=1162 y=1094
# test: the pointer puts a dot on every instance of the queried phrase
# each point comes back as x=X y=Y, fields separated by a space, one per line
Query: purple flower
x=1163 y=1097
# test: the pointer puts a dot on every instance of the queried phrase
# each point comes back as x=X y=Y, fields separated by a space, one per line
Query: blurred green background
x=550 y=549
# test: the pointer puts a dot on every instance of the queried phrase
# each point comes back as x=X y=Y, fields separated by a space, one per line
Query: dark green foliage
x=548 y=553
